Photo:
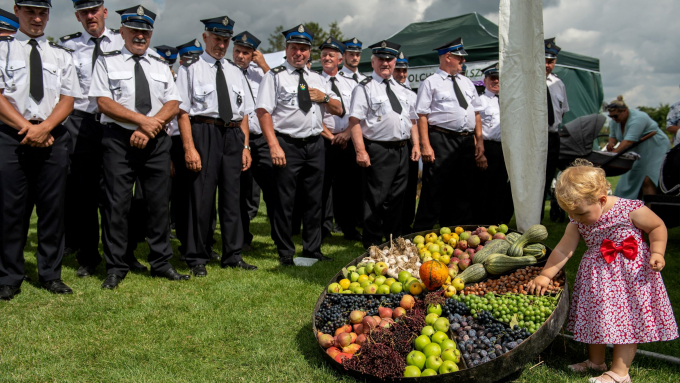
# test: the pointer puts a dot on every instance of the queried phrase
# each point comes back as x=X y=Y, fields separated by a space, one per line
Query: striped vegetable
x=498 y=263
x=496 y=246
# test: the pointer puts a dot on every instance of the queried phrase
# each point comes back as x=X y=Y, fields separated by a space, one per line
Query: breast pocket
x=288 y=95
x=51 y=77
x=237 y=95
x=159 y=83
x=444 y=99
x=203 y=93
x=379 y=105
x=489 y=113
x=17 y=74
x=121 y=83
x=560 y=100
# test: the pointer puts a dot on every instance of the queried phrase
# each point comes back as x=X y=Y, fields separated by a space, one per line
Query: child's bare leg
x=623 y=358
x=596 y=353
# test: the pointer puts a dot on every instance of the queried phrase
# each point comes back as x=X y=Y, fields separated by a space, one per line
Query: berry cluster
x=452 y=307
x=335 y=309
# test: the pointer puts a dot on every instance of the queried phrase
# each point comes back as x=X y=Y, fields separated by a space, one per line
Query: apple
x=383 y=289
x=334 y=288
x=326 y=340
x=381 y=268
x=447 y=344
x=418 y=239
x=354 y=285
x=371 y=277
x=474 y=241
x=431 y=237
x=362 y=271
x=358 y=328
x=431 y=318
x=361 y=339
x=445 y=230
x=364 y=284
x=414 y=287
x=389 y=281
x=439 y=337
x=342 y=356
x=433 y=248
x=385 y=312
x=458 y=284
x=379 y=280
x=371 y=289
x=478 y=248
x=404 y=276
x=356 y=316
x=351 y=269
x=503 y=228
x=397 y=312
x=436 y=256
x=441 y=324
x=437 y=309
x=370 y=267
x=427 y=330
x=433 y=362
x=407 y=302
x=416 y=358
x=359 y=290
x=411 y=372
x=464 y=263
x=450 y=290
x=493 y=229
x=428 y=372
x=432 y=349
x=462 y=244
x=420 y=246
x=346 y=292
x=427 y=258
x=396 y=288
x=421 y=342
x=499 y=236
x=457 y=252
x=333 y=351
x=343 y=339
x=451 y=354
x=447 y=367
x=354 y=276
x=484 y=237
x=369 y=323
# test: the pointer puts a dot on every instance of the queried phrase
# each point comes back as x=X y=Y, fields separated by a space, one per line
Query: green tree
x=334 y=30
x=276 y=40
x=658 y=114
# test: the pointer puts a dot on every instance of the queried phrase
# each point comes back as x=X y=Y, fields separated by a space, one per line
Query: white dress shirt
x=278 y=95
x=114 y=78
x=491 y=117
x=254 y=75
x=59 y=76
x=337 y=124
x=379 y=122
x=437 y=99
x=83 y=48
x=347 y=73
x=558 y=94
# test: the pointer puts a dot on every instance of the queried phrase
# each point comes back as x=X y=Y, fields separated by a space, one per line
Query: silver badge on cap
x=549 y=45
x=301 y=29
x=328 y=41
x=355 y=41
x=197 y=44
x=461 y=41
x=225 y=21
x=168 y=53
x=140 y=11
x=244 y=38
x=401 y=55
x=383 y=45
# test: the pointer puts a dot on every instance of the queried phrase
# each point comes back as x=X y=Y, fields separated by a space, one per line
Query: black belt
x=255 y=136
x=389 y=144
x=451 y=132
x=79 y=113
x=35 y=122
x=216 y=121
x=296 y=139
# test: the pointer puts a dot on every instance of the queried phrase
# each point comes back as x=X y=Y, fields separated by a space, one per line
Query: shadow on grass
x=307 y=347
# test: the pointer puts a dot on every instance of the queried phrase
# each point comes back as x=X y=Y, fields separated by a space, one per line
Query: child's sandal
x=610 y=377
x=587 y=365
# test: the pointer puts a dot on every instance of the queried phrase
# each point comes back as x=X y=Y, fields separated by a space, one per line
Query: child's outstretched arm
x=558 y=258
x=645 y=219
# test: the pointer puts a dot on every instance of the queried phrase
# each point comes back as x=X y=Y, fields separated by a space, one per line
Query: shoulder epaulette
x=109 y=54
x=159 y=59
x=278 y=69
x=55 y=45
x=6 y=38
x=116 y=31
x=346 y=75
x=366 y=80
x=187 y=62
x=403 y=85
x=70 y=37
x=555 y=75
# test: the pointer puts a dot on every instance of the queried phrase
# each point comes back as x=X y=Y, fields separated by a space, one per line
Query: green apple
x=421 y=342
x=404 y=276
x=379 y=280
x=447 y=367
x=437 y=309
x=396 y=288
x=353 y=286
x=428 y=372
x=362 y=271
x=389 y=281
x=444 y=230
x=411 y=372
x=438 y=337
x=433 y=248
x=458 y=284
x=334 y=288
x=427 y=258
x=432 y=349
x=359 y=290
x=365 y=283
x=351 y=269
x=433 y=362
x=450 y=355
x=370 y=267
x=371 y=277
x=383 y=289
x=408 y=280
x=416 y=358
x=348 y=291
x=446 y=344
x=448 y=250
x=431 y=318
x=371 y=289
x=354 y=276
x=418 y=239
x=380 y=268
x=427 y=330
x=503 y=228
x=441 y=324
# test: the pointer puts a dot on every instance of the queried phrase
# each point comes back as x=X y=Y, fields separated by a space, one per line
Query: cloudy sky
x=636 y=41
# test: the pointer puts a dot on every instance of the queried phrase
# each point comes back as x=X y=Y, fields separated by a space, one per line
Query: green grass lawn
x=233 y=326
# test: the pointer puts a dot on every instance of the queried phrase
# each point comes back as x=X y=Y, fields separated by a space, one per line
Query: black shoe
x=182 y=258
x=134 y=265
x=8 y=292
x=86 y=271
x=214 y=256
x=356 y=236
x=56 y=286
x=199 y=271
x=337 y=229
x=286 y=261
x=246 y=247
x=242 y=265
x=320 y=257
x=27 y=278
x=171 y=274
x=111 y=282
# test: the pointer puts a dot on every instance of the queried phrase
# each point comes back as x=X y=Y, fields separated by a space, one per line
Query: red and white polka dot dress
x=623 y=302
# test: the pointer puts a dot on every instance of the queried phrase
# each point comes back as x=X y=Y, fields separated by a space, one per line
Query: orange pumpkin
x=433 y=274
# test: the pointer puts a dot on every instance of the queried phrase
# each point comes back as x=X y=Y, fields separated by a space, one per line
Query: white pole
x=523 y=103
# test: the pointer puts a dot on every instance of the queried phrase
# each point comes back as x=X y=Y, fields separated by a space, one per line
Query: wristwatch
x=326 y=99
x=246 y=147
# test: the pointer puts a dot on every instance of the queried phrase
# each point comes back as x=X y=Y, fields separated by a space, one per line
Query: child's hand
x=657 y=262
x=539 y=284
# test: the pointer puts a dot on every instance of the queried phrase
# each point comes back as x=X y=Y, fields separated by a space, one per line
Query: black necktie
x=356 y=78
x=97 y=49
x=223 y=101
x=551 y=111
x=36 y=88
x=142 y=92
x=335 y=89
x=394 y=101
x=304 y=100
x=459 y=95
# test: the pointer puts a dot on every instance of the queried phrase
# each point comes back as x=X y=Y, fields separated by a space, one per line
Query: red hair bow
x=628 y=248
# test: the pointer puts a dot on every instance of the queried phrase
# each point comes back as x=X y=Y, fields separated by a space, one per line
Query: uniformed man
x=493 y=186
x=9 y=23
x=260 y=176
x=339 y=176
x=38 y=84
x=557 y=107
x=382 y=120
x=451 y=138
x=169 y=54
x=189 y=51
x=408 y=212
x=213 y=124
x=290 y=107
x=137 y=97
x=351 y=59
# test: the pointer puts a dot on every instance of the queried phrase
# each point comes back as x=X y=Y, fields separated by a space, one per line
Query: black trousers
x=493 y=188
x=260 y=176
x=221 y=151
x=253 y=201
x=444 y=198
x=179 y=197
x=551 y=165
x=32 y=175
x=84 y=188
x=341 y=188
x=303 y=173
x=408 y=212
x=384 y=187
x=123 y=164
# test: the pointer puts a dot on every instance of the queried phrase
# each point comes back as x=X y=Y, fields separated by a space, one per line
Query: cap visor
x=384 y=55
x=88 y=5
x=241 y=43
x=460 y=53
x=550 y=56
x=352 y=49
x=37 y=4
x=221 y=33
x=299 y=41
x=400 y=65
x=138 y=25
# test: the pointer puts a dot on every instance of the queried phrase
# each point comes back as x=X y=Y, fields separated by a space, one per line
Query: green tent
x=581 y=74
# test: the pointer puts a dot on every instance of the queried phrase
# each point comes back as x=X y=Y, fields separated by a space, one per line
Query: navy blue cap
x=34 y=3
x=333 y=43
x=454 y=47
x=352 y=45
x=491 y=70
x=8 y=21
x=402 y=61
x=168 y=53
x=222 y=26
x=137 y=17
x=385 y=49
x=551 y=49
x=193 y=47
x=299 y=35
x=246 y=39
x=87 y=4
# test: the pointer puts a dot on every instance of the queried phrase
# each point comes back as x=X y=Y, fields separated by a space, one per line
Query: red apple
x=464 y=263
x=471 y=252
x=407 y=302
x=397 y=312
x=457 y=252
x=333 y=352
x=499 y=236
x=462 y=244
x=385 y=312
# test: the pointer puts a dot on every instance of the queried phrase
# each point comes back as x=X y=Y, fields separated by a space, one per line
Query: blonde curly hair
x=582 y=181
